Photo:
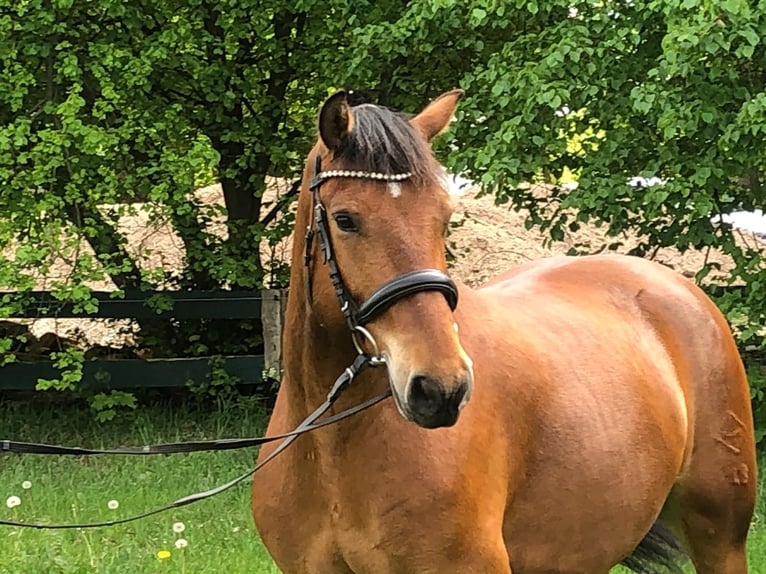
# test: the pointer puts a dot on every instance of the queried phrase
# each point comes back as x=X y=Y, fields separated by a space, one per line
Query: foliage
x=219 y=383
x=112 y=103
x=113 y=108
x=115 y=104
x=69 y=362
x=106 y=405
x=756 y=374
x=604 y=92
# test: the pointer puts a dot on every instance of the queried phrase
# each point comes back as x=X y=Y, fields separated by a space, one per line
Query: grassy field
x=219 y=532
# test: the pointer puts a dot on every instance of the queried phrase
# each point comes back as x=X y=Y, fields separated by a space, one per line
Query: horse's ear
x=436 y=116
x=335 y=120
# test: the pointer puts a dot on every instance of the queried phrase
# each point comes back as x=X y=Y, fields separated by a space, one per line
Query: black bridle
x=356 y=317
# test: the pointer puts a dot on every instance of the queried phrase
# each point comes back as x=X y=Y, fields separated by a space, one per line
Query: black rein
x=310 y=423
x=356 y=316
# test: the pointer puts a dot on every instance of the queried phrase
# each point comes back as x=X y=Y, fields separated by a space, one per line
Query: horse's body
x=608 y=393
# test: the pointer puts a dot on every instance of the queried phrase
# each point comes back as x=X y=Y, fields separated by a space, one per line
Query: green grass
x=219 y=531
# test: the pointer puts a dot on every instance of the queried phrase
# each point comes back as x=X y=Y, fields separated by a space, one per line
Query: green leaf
x=478 y=15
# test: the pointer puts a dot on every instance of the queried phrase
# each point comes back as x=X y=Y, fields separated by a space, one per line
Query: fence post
x=272 y=318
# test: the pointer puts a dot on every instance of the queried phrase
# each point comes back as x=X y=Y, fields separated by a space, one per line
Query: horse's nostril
x=431 y=404
x=459 y=397
x=425 y=395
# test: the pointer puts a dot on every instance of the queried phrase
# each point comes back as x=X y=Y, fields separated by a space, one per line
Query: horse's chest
x=298 y=521
x=333 y=526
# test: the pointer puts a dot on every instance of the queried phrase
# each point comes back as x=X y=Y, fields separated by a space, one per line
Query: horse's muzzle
x=432 y=404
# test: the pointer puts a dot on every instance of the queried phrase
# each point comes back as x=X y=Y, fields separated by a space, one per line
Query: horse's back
x=655 y=299
x=667 y=314
x=654 y=296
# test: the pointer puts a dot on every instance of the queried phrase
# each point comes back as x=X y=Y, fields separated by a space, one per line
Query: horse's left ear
x=436 y=116
x=335 y=120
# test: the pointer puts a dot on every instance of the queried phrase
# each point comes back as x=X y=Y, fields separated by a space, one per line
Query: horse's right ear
x=335 y=120
x=436 y=116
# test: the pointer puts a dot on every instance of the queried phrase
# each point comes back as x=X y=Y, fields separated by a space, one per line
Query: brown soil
x=486 y=240
x=491 y=238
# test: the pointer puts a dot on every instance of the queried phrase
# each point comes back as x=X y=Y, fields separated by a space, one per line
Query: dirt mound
x=488 y=238
x=485 y=240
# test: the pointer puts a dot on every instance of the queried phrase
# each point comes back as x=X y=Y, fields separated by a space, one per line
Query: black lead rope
x=356 y=316
x=19 y=447
x=309 y=423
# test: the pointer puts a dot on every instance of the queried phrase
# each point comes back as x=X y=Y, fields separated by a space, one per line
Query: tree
x=113 y=102
x=110 y=103
x=604 y=91
x=119 y=100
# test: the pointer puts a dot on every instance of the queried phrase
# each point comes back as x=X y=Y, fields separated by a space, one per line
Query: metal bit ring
x=375 y=358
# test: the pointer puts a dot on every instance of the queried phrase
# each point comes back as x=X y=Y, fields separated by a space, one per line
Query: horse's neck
x=315 y=355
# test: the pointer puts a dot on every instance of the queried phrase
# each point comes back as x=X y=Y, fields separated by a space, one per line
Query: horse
x=569 y=415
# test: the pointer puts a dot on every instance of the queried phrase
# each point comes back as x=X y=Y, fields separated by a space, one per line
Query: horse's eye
x=346 y=222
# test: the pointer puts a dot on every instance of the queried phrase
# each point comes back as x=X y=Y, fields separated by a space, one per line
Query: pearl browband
x=322 y=175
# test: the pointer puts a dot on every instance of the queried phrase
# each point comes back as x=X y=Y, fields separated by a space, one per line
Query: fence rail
x=149 y=304
x=264 y=305
x=105 y=374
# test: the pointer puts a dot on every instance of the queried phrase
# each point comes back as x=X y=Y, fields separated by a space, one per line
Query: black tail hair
x=659 y=552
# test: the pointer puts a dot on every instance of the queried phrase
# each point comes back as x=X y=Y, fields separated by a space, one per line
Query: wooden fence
x=265 y=305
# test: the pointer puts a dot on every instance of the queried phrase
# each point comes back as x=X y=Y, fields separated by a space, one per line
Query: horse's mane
x=382 y=140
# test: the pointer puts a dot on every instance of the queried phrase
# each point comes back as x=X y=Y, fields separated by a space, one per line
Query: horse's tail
x=659 y=552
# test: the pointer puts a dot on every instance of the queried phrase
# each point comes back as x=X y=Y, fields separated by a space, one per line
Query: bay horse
x=571 y=414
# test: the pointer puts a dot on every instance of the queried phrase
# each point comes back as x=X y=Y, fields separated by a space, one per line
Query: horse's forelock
x=384 y=141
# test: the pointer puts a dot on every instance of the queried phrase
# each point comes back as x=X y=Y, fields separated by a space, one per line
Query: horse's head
x=379 y=196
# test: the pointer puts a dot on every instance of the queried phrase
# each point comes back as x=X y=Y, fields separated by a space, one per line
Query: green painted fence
x=266 y=305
